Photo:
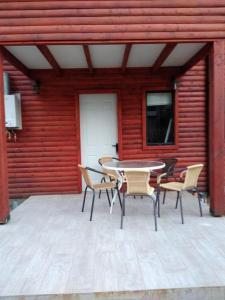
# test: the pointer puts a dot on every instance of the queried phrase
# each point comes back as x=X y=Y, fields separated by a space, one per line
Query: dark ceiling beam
x=163 y=56
x=50 y=58
x=15 y=62
x=126 y=57
x=88 y=58
x=201 y=54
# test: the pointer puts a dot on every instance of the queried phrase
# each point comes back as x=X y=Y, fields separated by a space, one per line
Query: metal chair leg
x=181 y=209
x=112 y=192
x=124 y=206
x=164 y=197
x=92 y=205
x=122 y=212
x=155 y=210
x=199 y=203
x=178 y=195
x=108 y=197
x=85 y=192
x=158 y=200
x=100 y=191
x=118 y=193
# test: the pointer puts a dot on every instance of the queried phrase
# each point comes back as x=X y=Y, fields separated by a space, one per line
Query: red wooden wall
x=44 y=159
x=110 y=20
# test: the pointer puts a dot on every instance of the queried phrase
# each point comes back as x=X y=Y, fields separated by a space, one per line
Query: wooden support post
x=216 y=128
x=4 y=197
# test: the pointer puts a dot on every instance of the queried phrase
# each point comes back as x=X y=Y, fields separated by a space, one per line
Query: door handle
x=117 y=147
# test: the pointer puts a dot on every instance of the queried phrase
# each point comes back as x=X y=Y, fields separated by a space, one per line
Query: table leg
x=120 y=183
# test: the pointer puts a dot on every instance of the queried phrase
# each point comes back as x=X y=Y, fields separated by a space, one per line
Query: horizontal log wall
x=110 y=21
x=223 y=62
x=44 y=159
x=191 y=122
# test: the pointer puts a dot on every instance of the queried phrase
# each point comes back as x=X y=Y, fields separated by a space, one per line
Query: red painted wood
x=201 y=54
x=110 y=21
x=26 y=5
x=50 y=58
x=170 y=14
x=88 y=58
x=4 y=195
x=14 y=61
x=118 y=28
x=126 y=57
x=163 y=56
x=216 y=128
x=48 y=145
x=56 y=19
x=113 y=37
x=78 y=139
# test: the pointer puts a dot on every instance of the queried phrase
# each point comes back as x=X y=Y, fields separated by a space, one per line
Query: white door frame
x=119 y=125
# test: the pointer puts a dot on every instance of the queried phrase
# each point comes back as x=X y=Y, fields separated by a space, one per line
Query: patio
x=50 y=250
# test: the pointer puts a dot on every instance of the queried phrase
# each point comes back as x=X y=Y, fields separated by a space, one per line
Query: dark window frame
x=144 y=123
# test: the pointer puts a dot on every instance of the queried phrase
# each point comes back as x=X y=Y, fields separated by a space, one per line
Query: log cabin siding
x=44 y=159
x=191 y=123
x=114 y=20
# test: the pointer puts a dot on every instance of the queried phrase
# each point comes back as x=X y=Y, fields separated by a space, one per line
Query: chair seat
x=104 y=185
x=174 y=186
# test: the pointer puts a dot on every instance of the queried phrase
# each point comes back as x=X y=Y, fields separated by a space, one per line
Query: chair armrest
x=179 y=170
x=155 y=173
x=160 y=177
x=96 y=171
x=182 y=173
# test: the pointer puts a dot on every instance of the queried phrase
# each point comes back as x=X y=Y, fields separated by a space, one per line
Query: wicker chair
x=189 y=184
x=96 y=186
x=166 y=173
x=138 y=185
x=109 y=174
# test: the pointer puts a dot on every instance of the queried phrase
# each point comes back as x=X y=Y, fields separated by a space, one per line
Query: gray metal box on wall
x=13 y=118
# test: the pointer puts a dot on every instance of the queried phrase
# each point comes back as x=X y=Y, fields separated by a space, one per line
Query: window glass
x=159 y=118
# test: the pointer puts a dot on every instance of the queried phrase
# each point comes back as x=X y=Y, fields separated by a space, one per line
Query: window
x=159 y=119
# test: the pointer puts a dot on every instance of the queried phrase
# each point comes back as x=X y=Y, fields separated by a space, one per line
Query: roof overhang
x=99 y=56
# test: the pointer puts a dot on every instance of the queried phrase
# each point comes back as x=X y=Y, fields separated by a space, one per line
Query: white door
x=98 y=128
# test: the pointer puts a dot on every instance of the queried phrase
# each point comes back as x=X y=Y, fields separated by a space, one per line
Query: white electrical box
x=13 y=118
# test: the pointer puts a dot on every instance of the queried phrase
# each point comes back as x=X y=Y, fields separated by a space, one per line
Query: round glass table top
x=134 y=164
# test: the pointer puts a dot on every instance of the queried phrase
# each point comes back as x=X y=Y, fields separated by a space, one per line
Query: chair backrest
x=192 y=175
x=104 y=160
x=170 y=164
x=137 y=182
x=86 y=176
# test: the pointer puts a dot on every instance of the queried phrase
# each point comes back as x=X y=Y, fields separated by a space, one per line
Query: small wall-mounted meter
x=13 y=118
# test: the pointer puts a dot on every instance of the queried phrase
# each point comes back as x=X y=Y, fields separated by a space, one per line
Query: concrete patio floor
x=50 y=250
